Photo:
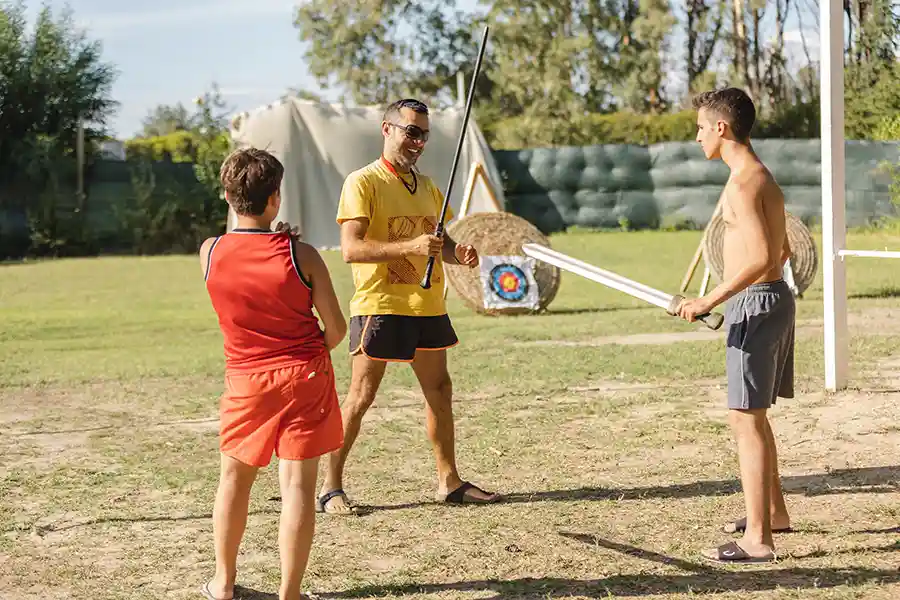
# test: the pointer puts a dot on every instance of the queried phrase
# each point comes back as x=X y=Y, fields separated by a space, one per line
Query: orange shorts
x=291 y=411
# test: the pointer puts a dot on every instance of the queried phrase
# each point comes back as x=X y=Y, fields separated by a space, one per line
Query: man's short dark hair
x=393 y=109
x=249 y=177
x=734 y=105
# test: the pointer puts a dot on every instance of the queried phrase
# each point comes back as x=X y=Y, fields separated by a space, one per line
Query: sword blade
x=594 y=273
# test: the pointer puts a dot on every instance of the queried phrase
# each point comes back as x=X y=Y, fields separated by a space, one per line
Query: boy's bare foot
x=780 y=524
x=215 y=591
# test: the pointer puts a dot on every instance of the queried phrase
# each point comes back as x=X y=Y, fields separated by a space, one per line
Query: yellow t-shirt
x=394 y=215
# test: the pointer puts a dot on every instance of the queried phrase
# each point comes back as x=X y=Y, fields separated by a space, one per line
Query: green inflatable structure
x=673 y=185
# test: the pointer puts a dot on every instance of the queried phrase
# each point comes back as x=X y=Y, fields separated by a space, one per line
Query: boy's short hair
x=249 y=177
x=393 y=109
x=734 y=105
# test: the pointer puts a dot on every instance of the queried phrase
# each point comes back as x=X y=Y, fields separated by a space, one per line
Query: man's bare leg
x=749 y=427
x=365 y=378
x=298 y=521
x=229 y=522
x=779 y=512
x=430 y=367
x=781 y=520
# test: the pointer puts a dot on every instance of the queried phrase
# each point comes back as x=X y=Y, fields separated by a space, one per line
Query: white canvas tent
x=320 y=144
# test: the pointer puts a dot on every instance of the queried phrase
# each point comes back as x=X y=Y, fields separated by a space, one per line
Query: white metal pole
x=834 y=232
x=870 y=253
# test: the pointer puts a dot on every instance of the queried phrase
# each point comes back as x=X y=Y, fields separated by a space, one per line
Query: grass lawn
x=612 y=447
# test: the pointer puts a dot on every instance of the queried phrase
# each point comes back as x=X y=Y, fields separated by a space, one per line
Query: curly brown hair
x=249 y=177
x=734 y=105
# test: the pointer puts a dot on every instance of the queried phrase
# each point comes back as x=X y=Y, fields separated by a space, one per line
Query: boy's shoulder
x=207 y=244
x=309 y=260
x=205 y=251
x=302 y=248
x=305 y=253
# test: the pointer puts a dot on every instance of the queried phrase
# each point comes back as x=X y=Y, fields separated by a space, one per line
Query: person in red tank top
x=269 y=291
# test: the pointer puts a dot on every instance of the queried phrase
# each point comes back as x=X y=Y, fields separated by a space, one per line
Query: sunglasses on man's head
x=413 y=132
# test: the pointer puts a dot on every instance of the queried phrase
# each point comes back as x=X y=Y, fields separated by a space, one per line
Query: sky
x=171 y=51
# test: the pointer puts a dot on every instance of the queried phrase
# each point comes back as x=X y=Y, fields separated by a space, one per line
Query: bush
x=795 y=121
x=590 y=129
x=889 y=130
x=180 y=146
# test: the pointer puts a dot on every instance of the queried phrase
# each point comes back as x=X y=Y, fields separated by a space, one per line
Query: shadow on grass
x=245 y=593
x=701 y=581
x=881 y=531
x=870 y=480
x=701 y=578
x=43 y=530
x=885 y=292
x=873 y=480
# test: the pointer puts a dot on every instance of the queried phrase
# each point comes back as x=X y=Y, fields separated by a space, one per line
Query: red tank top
x=263 y=303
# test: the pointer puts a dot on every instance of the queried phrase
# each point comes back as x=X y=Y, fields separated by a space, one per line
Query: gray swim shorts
x=759 y=357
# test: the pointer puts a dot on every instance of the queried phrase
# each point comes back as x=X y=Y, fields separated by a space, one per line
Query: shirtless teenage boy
x=759 y=315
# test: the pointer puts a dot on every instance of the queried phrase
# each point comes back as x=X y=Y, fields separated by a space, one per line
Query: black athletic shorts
x=397 y=337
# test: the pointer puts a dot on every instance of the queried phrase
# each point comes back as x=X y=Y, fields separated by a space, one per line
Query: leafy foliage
x=889 y=130
x=379 y=49
x=52 y=79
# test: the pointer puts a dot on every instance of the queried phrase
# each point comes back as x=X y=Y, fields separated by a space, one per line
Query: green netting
x=111 y=192
x=14 y=231
x=663 y=185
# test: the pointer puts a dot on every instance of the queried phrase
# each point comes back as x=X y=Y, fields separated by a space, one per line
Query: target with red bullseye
x=509 y=282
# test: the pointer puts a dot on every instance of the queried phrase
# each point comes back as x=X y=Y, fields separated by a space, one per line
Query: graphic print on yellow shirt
x=407 y=228
x=394 y=288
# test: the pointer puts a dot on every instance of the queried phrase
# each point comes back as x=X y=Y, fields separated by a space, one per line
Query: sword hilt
x=712 y=320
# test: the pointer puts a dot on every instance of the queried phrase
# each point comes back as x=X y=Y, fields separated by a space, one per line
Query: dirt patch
x=634 y=477
x=26 y=406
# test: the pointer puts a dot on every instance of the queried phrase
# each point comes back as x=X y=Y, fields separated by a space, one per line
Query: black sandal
x=730 y=552
x=322 y=500
x=458 y=496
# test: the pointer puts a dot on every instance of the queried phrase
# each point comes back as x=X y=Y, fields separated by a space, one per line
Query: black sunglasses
x=413 y=132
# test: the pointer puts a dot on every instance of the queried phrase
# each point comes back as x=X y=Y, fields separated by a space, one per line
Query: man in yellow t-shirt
x=388 y=212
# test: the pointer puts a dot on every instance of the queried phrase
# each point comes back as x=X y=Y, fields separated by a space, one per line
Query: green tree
x=377 y=50
x=166 y=119
x=52 y=79
x=537 y=49
x=641 y=58
x=703 y=28
x=213 y=146
x=872 y=75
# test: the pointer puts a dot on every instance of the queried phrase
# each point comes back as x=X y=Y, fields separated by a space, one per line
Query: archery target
x=508 y=282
